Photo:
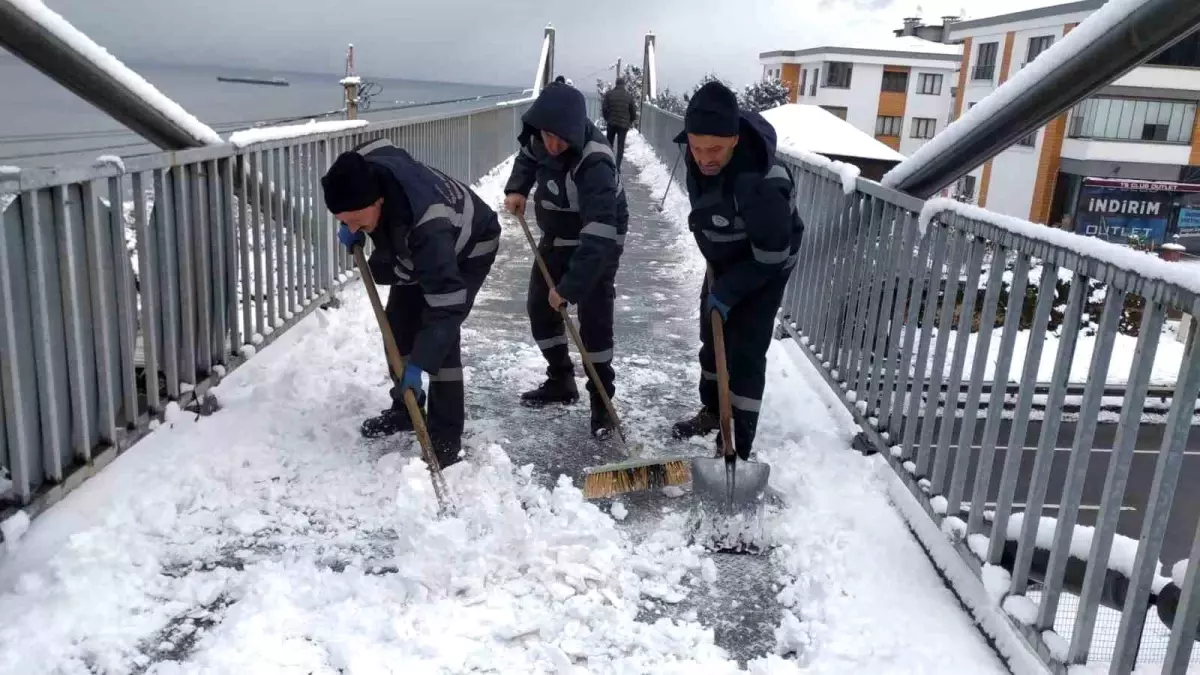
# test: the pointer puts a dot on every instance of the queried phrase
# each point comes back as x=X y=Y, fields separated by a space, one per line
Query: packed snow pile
x=812 y=128
x=246 y=137
x=60 y=28
x=1122 y=554
x=13 y=528
x=1083 y=35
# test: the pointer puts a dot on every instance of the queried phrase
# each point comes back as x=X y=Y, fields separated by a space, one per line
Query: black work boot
x=703 y=423
x=603 y=425
x=392 y=421
x=556 y=389
x=448 y=451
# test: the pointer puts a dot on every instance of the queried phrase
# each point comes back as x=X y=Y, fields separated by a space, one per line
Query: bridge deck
x=270 y=537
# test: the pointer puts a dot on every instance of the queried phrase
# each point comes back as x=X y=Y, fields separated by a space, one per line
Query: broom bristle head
x=619 y=480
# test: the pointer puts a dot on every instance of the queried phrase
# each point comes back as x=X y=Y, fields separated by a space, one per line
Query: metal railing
x=123 y=289
x=919 y=322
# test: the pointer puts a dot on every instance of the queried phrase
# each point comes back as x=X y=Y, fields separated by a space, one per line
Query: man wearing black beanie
x=745 y=221
x=434 y=243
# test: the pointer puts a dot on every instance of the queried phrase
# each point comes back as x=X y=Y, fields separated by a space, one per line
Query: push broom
x=619 y=478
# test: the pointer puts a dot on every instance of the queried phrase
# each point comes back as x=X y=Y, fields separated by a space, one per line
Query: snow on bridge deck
x=270 y=538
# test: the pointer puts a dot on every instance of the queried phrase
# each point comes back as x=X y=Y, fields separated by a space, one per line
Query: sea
x=42 y=124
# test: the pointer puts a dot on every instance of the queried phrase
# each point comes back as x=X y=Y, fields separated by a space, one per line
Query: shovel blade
x=710 y=484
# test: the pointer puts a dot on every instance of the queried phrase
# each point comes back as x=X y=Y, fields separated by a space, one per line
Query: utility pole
x=350 y=85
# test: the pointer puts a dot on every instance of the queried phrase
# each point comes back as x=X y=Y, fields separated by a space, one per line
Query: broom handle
x=726 y=408
x=397 y=365
x=575 y=337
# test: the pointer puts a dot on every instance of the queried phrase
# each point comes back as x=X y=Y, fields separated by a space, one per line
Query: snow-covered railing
x=113 y=318
x=897 y=300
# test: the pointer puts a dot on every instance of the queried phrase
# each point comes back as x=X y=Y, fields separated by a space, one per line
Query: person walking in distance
x=745 y=222
x=434 y=243
x=619 y=110
x=582 y=214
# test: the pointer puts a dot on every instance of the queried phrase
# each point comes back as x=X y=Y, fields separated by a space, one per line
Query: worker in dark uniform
x=582 y=213
x=434 y=242
x=745 y=221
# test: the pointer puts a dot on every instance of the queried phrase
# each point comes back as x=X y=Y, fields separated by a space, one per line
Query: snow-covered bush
x=764 y=95
x=669 y=101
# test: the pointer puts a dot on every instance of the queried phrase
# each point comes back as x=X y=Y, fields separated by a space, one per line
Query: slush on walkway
x=271 y=537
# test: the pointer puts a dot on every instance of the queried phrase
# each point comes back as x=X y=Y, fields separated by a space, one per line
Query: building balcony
x=983 y=73
x=1162 y=77
x=1142 y=152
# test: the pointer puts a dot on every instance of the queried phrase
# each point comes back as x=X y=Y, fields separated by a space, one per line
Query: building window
x=930 y=83
x=1184 y=54
x=888 y=126
x=1028 y=141
x=837 y=74
x=1128 y=119
x=803 y=81
x=966 y=187
x=812 y=87
x=924 y=127
x=1037 y=45
x=895 y=81
x=985 y=62
x=835 y=110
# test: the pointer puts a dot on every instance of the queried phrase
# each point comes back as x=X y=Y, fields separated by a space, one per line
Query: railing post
x=548 y=73
x=350 y=86
x=649 y=76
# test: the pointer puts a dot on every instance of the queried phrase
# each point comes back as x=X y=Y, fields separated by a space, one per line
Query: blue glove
x=715 y=303
x=350 y=239
x=411 y=380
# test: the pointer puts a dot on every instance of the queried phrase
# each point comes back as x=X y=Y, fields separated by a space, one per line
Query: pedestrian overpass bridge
x=182 y=378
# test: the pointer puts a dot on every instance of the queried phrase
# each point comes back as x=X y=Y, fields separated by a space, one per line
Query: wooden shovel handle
x=396 y=362
x=725 y=407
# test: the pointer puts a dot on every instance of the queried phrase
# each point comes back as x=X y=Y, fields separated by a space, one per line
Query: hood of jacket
x=561 y=110
x=756 y=142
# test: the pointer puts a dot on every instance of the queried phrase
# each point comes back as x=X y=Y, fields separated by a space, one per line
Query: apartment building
x=897 y=89
x=1125 y=161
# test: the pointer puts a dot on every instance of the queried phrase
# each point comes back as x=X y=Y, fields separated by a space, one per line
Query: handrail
x=38 y=178
x=879 y=271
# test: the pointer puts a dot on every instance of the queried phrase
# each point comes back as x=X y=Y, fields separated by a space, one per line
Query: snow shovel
x=720 y=479
x=396 y=362
x=637 y=474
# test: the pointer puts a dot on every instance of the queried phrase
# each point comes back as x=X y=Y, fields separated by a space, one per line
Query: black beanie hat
x=713 y=111
x=349 y=184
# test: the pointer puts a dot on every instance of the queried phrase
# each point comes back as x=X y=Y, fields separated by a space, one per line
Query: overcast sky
x=493 y=41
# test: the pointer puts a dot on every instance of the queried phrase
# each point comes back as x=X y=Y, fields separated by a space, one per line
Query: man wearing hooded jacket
x=745 y=222
x=434 y=243
x=582 y=213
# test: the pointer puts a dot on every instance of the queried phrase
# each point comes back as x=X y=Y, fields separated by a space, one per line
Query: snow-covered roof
x=814 y=129
x=907 y=45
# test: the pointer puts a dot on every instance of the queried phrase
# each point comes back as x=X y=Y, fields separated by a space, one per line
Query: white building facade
x=1138 y=135
x=899 y=93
